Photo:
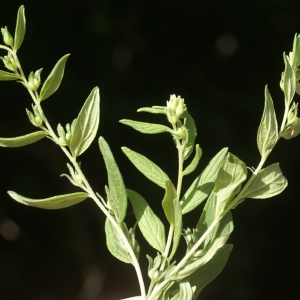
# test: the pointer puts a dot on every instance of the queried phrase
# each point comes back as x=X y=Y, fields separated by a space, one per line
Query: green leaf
x=194 y=163
x=144 y=127
x=292 y=131
x=190 y=125
x=23 y=140
x=268 y=182
x=55 y=202
x=289 y=81
x=177 y=226
x=86 y=124
x=6 y=76
x=207 y=273
x=117 y=190
x=228 y=182
x=267 y=134
x=115 y=244
x=153 y=109
x=146 y=167
x=150 y=225
x=167 y=202
x=53 y=81
x=203 y=184
x=20 y=28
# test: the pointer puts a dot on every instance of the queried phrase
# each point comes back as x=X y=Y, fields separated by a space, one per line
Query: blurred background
x=218 y=55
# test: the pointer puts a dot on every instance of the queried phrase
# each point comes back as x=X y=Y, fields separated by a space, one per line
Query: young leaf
x=228 y=182
x=115 y=181
x=177 y=226
x=55 y=202
x=146 y=167
x=150 y=225
x=207 y=273
x=6 y=76
x=115 y=244
x=153 y=109
x=20 y=28
x=267 y=134
x=86 y=124
x=203 y=184
x=53 y=81
x=144 y=127
x=194 y=163
x=189 y=124
x=167 y=202
x=23 y=140
x=268 y=182
x=289 y=81
x=292 y=131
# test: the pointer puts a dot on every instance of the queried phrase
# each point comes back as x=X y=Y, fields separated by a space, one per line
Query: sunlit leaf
x=20 y=28
x=289 y=81
x=55 y=202
x=146 y=167
x=144 y=127
x=190 y=125
x=6 y=76
x=150 y=225
x=53 y=81
x=117 y=191
x=23 y=140
x=194 y=163
x=86 y=124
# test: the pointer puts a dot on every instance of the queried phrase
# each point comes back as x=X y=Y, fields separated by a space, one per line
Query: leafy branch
x=222 y=184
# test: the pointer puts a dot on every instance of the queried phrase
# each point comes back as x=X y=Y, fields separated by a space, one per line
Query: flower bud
x=7 y=38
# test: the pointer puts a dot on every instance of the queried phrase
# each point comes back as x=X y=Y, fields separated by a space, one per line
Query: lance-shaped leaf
x=117 y=191
x=115 y=244
x=23 y=140
x=268 y=182
x=207 y=273
x=144 y=127
x=267 y=134
x=86 y=124
x=150 y=225
x=228 y=182
x=146 y=167
x=190 y=125
x=194 y=163
x=289 y=81
x=153 y=109
x=54 y=79
x=20 y=28
x=6 y=76
x=203 y=184
x=55 y=202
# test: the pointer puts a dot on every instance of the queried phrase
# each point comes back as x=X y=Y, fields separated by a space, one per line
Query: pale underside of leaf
x=23 y=140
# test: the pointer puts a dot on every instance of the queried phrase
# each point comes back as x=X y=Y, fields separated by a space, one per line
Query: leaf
x=150 y=225
x=177 y=226
x=267 y=134
x=6 y=76
x=153 y=109
x=228 y=182
x=189 y=124
x=203 y=184
x=23 y=140
x=144 y=127
x=167 y=202
x=291 y=131
x=207 y=273
x=146 y=167
x=55 y=202
x=20 y=28
x=115 y=244
x=53 y=81
x=86 y=124
x=116 y=184
x=268 y=182
x=289 y=81
x=194 y=163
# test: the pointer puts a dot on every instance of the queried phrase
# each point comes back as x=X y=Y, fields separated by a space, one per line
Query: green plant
x=223 y=184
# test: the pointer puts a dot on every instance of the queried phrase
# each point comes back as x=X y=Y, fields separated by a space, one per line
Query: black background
x=218 y=55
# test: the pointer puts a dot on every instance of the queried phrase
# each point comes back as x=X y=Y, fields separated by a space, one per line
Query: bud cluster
x=7 y=38
x=34 y=80
x=175 y=108
x=10 y=62
x=35 y=117
x=65 y=135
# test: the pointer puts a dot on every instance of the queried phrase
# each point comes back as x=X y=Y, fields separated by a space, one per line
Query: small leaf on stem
x=23 y=140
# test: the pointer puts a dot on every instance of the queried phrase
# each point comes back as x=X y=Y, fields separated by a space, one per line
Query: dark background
x=218 y=55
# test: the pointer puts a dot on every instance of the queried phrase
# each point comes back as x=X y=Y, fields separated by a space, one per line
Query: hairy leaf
x=20 y=28
x=268 y=182
x=6 y=76
x=86 y=124
x=23 y=140
x=190 y=125
x=267 y=134
x=54 y=79
x=146 y=167
x=144 y=127
x=194 y=163
x=55 y=202
x=153 y=109
x=203 y=184
x=117 y=191
x=150 y=225
x=289 y=81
